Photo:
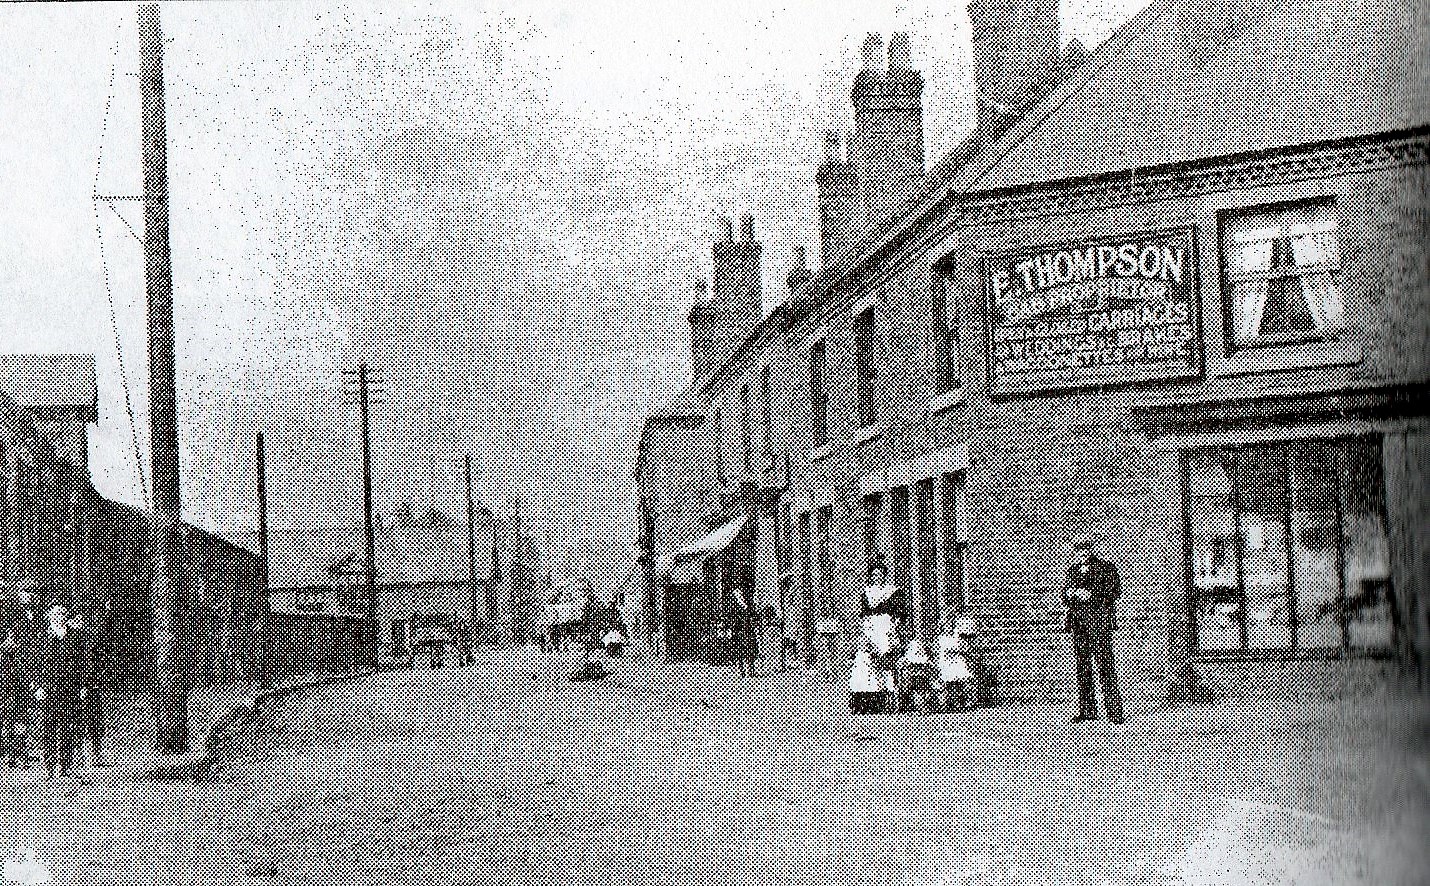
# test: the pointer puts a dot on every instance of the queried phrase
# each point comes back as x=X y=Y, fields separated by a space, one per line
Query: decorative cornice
x=827 y=293
x=1178 y=181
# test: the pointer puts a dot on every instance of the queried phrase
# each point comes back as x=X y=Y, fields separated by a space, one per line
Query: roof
x=299 y=558
x=1193 y=80
x=51 y=381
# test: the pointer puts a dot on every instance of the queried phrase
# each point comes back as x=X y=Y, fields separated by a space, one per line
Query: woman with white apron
x=882 y=611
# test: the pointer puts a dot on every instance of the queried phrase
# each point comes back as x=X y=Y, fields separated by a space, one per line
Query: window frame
x=819 y=391
x=866 y=366
x=746 y=438
x=946 y=344
x=1193 y=597
x=767 y=440
x=1274 y=216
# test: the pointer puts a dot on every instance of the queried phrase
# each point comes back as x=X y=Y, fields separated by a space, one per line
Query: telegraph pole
x=365 y=391
x=472 y=548
x=170 y=692
x=265 y=648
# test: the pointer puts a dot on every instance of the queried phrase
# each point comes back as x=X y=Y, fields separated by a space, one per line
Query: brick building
x=63 y=542
x=1171 y=290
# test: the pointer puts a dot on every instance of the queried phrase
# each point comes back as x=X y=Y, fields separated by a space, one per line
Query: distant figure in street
x=745 y=630
x=882 y=611
x=14 y=701
x=23 y=628
x=1092 y=588
x=60 y=691
x=98 y=660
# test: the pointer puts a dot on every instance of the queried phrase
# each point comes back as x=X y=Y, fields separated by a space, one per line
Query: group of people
x=892 y=669
x=50 y=698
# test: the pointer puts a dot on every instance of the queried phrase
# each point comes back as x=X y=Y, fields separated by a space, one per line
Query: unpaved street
x=508 y=773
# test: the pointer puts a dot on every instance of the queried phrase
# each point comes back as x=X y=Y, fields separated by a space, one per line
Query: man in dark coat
x=98 y=645
x=1092 y=589
x=23 y=629
x=61 y=688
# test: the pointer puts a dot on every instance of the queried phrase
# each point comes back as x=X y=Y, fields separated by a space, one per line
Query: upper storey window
x=1283 y=275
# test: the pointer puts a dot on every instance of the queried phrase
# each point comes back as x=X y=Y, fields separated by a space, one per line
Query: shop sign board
x=1109 y=311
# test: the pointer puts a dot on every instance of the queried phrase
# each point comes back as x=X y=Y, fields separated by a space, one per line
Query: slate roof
x=48 y=381
x=1188 y=80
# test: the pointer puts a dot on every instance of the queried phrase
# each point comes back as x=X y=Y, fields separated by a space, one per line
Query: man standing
x=61 y=688
x=1092 y=588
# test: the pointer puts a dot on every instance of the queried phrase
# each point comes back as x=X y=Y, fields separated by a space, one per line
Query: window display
x=1288 y=547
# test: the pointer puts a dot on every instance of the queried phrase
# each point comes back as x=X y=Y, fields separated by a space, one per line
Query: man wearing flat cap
x=1092 y=589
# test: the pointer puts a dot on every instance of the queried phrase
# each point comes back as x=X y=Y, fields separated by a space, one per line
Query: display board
x=1108 y=311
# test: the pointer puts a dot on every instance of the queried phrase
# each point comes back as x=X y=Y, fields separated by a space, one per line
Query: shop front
x=707 y=581
x=1301 y=526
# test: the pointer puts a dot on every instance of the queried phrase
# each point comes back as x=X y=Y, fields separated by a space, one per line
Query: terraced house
x=1171 y=289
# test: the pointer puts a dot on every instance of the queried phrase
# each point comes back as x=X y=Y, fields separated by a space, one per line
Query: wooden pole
x=369 y=554
x=472 y=549
x=170 y=691
x=265 y=627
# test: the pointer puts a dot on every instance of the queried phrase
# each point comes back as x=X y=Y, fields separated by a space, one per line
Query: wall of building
x=1042 y=465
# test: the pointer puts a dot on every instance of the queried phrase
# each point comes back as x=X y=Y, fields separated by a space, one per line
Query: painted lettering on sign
x=1100 y=312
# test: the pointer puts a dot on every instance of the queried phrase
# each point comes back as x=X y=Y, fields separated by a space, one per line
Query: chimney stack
x=799 y=273
x=887 y=149
x=1015 y=54
x=721 y=319
x=838 y=187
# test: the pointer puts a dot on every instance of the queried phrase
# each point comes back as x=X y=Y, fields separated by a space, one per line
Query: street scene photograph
x=642 y=443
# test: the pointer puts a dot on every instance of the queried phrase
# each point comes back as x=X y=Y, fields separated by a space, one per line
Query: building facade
x=1169 y=291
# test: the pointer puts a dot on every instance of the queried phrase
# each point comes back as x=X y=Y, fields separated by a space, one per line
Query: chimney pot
x=873 y=52
x=899 y=59
x=747 y=228
x=799 y=257
x=831 y=146
x=727 y=228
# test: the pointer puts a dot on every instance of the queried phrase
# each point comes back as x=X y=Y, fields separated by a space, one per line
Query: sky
x=503 y=207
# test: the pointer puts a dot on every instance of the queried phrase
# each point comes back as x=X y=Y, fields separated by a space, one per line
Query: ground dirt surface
x=508 y=773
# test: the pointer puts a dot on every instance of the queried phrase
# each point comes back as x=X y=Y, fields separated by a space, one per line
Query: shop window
x=1283 y=275
x=819 y=392
x=945 y=331
x=865 y=367
x=1288 y=546
x=806 y=582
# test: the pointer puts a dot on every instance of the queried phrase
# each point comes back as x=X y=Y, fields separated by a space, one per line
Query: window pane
x=1262 y=494
x=1248 y=307
x=1285 y=310
x=1315 y=536
x=1216 y=595
x=1367 y=547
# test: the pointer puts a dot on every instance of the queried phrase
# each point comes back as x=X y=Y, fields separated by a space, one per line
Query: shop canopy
x=685 y=563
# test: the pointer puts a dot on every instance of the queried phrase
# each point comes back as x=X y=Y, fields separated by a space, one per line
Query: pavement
x=507 y=772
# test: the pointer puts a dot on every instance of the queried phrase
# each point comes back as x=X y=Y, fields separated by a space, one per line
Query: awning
x=697 y=552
